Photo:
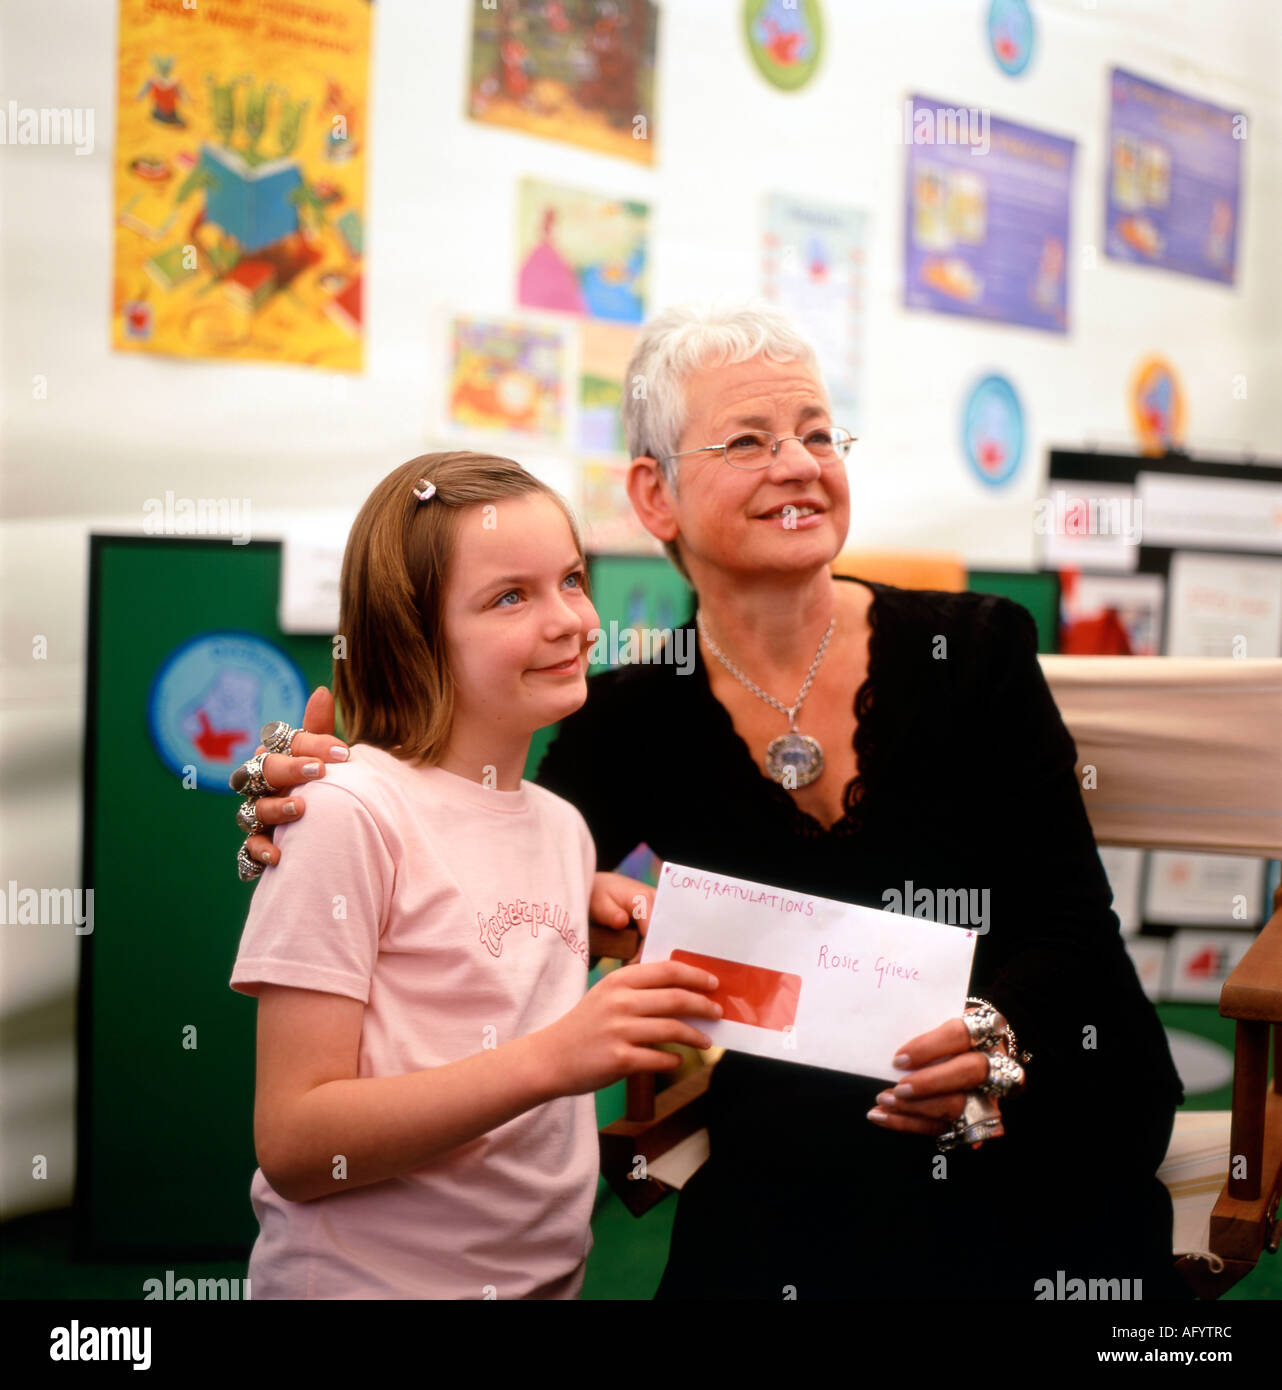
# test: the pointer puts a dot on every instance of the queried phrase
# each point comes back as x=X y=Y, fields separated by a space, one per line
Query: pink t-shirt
x=465 y=908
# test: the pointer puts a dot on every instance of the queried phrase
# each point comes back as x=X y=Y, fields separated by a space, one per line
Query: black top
x=966 y=780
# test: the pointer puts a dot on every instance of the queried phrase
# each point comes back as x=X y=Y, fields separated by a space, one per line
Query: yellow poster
x=241 y=140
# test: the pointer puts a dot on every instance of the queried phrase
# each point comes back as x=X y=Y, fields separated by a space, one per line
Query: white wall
x=117 y=429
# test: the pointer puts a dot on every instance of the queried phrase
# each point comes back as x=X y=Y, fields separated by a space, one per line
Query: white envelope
x=807 y=979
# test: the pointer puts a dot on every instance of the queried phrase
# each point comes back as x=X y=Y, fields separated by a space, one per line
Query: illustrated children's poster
x=581 y=71
x=1174 y=176
x=987 y=218
x=507 y=377
x=580 y=253
x=241 y=141
x=1111 y=614
x=814 y=270
x=610 y=524
x=604 y=352
x=785 y=40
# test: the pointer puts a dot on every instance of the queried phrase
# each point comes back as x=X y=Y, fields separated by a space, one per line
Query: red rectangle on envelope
x=749 y=993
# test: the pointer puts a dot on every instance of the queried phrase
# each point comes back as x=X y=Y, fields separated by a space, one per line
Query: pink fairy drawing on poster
x=547 y=279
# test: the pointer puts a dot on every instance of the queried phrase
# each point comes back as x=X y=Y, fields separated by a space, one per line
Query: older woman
x=843 y=737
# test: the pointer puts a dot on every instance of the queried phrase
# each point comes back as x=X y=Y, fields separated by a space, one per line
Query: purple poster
x=986 y=228
x=1174 y=171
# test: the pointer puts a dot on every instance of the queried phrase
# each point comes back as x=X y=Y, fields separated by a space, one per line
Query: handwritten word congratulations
x=714 y=888
x=886 y=969
x=518 y=912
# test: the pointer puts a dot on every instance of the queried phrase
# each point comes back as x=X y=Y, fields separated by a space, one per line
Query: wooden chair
x=1188 y=756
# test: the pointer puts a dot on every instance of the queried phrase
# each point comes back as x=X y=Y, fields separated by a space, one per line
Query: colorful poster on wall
x=1157 y=406
x=507 y=377
x=993 y=430
x=604 y=351
x=1110 y=614
x=1206 y=890
x=1174 y=180
x=581 y=253
x=241 y=141
x=814 y=270
x=210 y=698
x=785 y=40
x=1011 y=33
x=581 y=71
x=610 y=525
x=1201 y=961
x=1225 y=606
x=986 y=229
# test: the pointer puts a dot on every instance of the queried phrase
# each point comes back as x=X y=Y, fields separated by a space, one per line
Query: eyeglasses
x=759 y=448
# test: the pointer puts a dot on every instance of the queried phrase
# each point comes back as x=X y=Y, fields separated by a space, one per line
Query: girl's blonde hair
x=393 y=685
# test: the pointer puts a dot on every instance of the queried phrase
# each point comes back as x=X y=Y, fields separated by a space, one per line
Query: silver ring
x=256 y=783
x=1004 y=1075
x=247 y=868
x=981 y=1024
x=980 y=1120
x=247 y=816
x=278 y=737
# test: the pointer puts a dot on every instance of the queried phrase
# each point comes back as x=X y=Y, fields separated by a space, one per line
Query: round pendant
x=798 y=752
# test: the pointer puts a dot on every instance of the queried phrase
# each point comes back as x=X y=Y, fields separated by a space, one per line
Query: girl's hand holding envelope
x=619 y=901
x=611 y=1033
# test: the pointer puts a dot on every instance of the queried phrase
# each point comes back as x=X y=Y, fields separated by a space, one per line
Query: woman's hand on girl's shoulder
x=314 y=745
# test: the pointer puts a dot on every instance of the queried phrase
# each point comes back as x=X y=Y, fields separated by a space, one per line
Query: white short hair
x=681 y=341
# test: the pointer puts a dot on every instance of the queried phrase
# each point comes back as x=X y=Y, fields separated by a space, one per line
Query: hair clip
x=428 y=490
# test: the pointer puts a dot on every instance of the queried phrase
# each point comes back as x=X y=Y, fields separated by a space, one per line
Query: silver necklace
x=793 y=751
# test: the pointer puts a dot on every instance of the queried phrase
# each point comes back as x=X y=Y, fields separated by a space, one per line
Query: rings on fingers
x=1004 y=1075
x=278 y=737
x=247 y=816
x=256 y=783
x=247 y=868
x=980 y=1120
x=981 y=1024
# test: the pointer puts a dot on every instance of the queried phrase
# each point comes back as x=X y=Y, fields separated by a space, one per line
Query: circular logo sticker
x=993 y=431
x=1010 y=35
x=211 y=697
x=1157 y=406
x=785 y=40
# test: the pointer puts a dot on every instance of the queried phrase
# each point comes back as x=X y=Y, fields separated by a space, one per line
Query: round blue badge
x=1010 y=35
x=211 y=697
x=993 y=431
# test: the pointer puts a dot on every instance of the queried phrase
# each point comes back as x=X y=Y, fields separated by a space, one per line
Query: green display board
x=637 y=591
x=166 y=1048
x=186 y=663
x=1038 y=591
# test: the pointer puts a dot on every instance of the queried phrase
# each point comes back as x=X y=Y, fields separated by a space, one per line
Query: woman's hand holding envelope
x=942 y=1066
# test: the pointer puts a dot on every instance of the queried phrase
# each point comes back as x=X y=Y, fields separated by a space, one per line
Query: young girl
x=423 y=1119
